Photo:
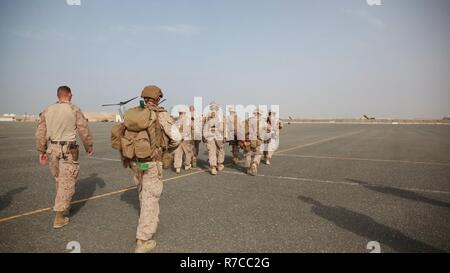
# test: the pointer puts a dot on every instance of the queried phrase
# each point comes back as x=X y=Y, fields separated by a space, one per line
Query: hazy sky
x=316 y=58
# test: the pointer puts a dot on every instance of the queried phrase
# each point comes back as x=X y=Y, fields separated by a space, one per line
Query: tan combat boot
x=60 y=220
x=187 y=167
x=213 y=171
x=66 y=212
x=178 y=170
x=235 y=160
x=144 y=246
x=267 y=161
x=253 y=170
x=221 y=167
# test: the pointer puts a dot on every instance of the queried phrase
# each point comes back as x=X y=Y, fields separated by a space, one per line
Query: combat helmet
x=214 y=106
x=152 y=91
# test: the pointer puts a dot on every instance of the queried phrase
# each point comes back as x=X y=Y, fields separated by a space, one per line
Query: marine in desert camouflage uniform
x=56 y=142
x=274 y=125
x=235 y=132
x=255 y=134
x=149 y=180
x=214 y=135
x=186 y=147
x=196 y=135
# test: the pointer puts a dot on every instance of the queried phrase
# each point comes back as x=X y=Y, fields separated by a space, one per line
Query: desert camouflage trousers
x=253 y=156
x=216 y=152
x=149 y=185
x=235 y=148
x=186 y=148
x=271 y=147
x=65 y=171
x=195 y=150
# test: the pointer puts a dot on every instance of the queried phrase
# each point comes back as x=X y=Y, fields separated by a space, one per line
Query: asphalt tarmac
x=330 y=188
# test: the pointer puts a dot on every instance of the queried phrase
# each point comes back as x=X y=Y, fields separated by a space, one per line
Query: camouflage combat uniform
x=271 y=145
x=235 y=132
x=256 y=128
x=187 y=145
x=146 y=135
x=196 y=136
x=56 y=136
x=214 y=134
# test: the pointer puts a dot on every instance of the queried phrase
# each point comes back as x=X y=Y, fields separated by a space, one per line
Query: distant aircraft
x=290 y=118
x=121 y=106
x=369 y=118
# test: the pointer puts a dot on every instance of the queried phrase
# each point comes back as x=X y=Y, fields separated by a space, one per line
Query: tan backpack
x=117 y=132
x=138 y=119
x=140 y=136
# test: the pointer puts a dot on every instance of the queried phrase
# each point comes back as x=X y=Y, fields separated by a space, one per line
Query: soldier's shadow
x=85 y=189
x=131 y=197
x=202 y=164
x=7 y=198
x=365 y=226
x=397 y=192
x=239 y=167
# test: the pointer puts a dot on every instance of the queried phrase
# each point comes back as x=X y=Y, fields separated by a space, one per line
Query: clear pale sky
x=316 y=58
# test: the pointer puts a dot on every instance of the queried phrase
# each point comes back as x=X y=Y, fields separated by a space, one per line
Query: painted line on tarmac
x=338 y=182
x=24 y=214
x=318 y=142
x=366 y=159
x=168 y=179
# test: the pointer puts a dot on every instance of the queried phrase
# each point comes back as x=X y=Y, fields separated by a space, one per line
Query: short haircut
x=63 y=91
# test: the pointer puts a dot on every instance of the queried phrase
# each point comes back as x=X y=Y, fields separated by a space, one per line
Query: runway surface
x=330 y=188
